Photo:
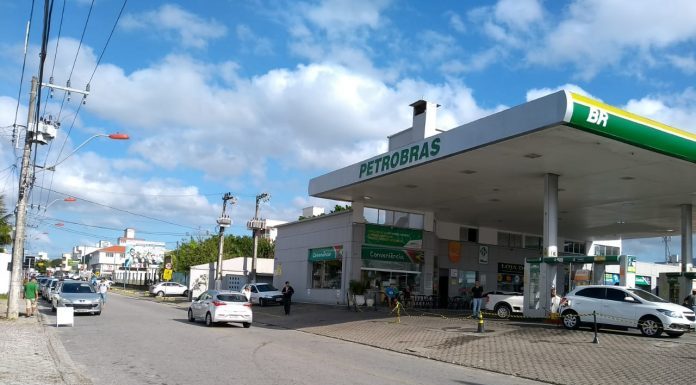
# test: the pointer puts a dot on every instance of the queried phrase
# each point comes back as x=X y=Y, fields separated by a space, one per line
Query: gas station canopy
x=620 y=175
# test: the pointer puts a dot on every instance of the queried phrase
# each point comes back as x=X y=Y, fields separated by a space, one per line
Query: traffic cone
x=480 y=328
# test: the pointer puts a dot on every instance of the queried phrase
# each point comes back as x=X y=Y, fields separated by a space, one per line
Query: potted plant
x=357 y=289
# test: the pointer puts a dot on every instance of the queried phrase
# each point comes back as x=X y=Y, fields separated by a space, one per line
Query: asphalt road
x=142 y=342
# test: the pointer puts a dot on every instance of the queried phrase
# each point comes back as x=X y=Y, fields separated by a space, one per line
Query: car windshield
x=642 y=294
x=77 y=288
x=232 y=297
x=263 y=288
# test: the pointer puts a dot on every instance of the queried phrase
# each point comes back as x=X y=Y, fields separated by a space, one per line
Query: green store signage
x=398 y=159
x=326 y=253
x=601 y=119
x=392 y=255
x=393 y=236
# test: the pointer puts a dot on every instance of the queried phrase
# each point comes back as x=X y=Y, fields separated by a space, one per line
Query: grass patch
x=3 y=296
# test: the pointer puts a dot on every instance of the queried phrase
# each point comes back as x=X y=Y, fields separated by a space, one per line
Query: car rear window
x=263 y=288
x=77 y=288
x=232 y=297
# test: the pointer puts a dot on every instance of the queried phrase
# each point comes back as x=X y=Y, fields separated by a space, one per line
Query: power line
x=113 y=228
x=122 y=210
x=24 y=63
x=107 y=41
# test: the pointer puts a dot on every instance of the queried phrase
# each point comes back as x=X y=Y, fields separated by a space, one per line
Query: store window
x=326 y=274
x=606 y=250
x=570 y=247
x=327 y=267
x=393 y=218
x=509 y=239
x=533 y=242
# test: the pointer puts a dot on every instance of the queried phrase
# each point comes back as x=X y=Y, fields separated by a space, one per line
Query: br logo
x=598 y=116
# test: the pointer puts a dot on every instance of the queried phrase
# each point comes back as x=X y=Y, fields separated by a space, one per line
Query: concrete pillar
x=686 y=237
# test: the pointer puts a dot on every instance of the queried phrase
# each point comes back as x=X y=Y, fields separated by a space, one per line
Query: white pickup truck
x=504 y=303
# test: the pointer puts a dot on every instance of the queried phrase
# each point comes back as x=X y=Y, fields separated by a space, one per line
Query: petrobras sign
x=400 y=158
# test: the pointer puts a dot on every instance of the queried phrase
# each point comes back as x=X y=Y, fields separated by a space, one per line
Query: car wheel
x=247 y=324
x=160 y=293
x=650 y=326
x=97 y=312
x=190 y=316
x=262 y=302
x=185 y=294
x=208 y=320
x=503 y=310
x=675 y=334
x=571 y=320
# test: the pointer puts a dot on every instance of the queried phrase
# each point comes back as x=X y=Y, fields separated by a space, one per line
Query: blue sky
x=254 y=96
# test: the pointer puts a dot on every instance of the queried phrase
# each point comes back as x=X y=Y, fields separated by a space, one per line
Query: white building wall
x=447 y=230
x=5 y=259
x=292 y=253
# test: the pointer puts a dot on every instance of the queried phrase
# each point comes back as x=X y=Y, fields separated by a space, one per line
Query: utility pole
x=21 y=209
x=224 y=221
x=255 y=225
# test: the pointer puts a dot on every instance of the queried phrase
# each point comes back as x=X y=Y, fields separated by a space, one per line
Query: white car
x=162 y=289
x=625 y=307
x=216 y=306
x=264 y=294
x=504 y=303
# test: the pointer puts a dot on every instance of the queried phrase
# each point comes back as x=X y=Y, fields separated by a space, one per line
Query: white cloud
x=252 y=42
x=536 y=93
x=455 y=22
x=337 y=17
x=192 y=30
x=686 y=64
x=596 y=34
x=678 y=110
x=518 y=14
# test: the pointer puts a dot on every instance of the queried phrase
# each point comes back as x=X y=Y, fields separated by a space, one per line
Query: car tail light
x=219 y=303
x=247 y=304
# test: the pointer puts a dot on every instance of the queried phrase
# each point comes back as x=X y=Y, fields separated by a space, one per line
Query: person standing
x=287 y=291
x=247 y=292
x=477 y=294
x=103 y=288
x=31 y=295
x=690 y=300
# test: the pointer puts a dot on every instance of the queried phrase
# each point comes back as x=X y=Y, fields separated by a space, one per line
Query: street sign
x=167 y=275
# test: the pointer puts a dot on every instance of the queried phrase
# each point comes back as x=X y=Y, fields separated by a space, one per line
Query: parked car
x=216 y=306
x=162 y=289
x=48 y=288
x=78 y=295
x=504 y=303
x=264 y=293
x=625 y=307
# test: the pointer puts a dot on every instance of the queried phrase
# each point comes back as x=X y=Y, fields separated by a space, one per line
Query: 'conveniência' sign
x=398 y=159
x=393 y=236
x=392 y=255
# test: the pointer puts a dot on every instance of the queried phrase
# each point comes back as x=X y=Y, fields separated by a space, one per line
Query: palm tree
x=5 y=228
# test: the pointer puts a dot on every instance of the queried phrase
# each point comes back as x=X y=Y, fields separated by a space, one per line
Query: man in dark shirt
x=477 y=294
x=287 y=291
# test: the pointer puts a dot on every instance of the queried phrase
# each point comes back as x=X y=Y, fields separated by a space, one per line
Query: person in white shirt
x=555 y=301
x=103 y=288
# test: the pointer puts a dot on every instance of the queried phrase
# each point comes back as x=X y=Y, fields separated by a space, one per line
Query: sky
x=263 y=95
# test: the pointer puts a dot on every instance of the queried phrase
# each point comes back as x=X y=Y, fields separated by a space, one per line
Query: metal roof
x=620 y=175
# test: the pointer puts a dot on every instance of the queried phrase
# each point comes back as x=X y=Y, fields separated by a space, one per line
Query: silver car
x=77 y=294
x=48 y=288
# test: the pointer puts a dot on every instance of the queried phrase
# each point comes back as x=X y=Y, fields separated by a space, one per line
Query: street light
x=116 y=136
x=26 y=176
x=68 y=199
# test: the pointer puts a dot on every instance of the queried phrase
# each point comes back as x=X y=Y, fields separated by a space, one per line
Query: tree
x=55 y=262
x=5 y=228
x=196 y=252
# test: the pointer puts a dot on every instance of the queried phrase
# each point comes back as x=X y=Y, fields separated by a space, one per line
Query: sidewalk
x=32 y=354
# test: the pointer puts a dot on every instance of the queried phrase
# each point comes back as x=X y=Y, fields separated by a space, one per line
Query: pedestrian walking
x=103 y=288
x=31 y=295
x=247 y=292
x=690 y=300
x=477 y=294
x=287 y=291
